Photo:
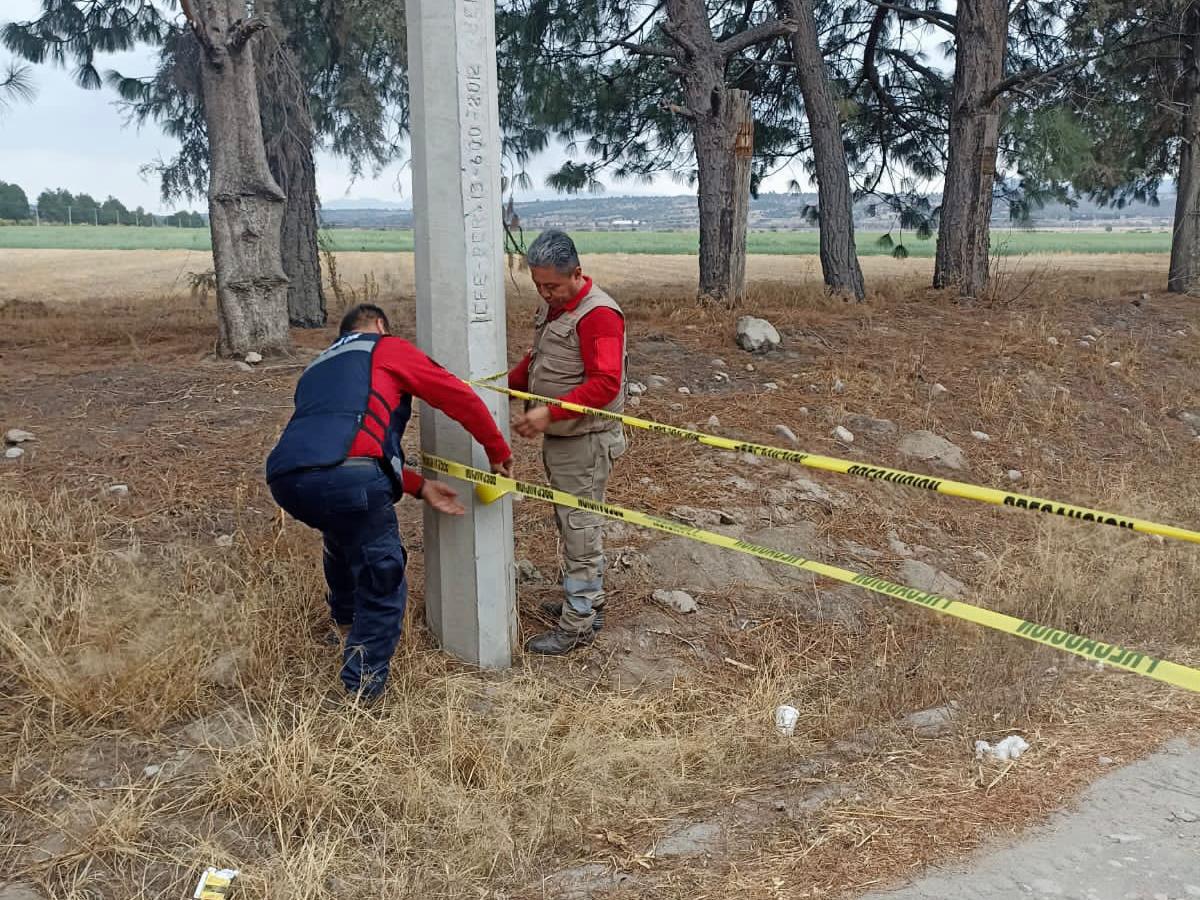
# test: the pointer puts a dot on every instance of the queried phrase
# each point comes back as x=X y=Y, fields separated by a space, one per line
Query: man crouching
x=578 y=355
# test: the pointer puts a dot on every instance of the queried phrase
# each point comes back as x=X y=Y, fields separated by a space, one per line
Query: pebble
x=636 y=388
x=14 y=453
x=1105 y=760
x=224 y=540
x=676 y=407
x=152 y=770
x=938 y=390
x=680 y=601
x=787 y=434
x=981 y=436
x=719 y=364
x=1052 y=341
x=749 y=367
x=120 y=490
x=253 y=358
x=657 y=381
x=1014 y=474
x=714 y=422
x=844 y=435
x=243 y=366
x=720 y=376
x=803 y=410
x=839 y=386
x=18 y=436
x=635 y=401
x=685 y=390
x=770 y=386
x=1115 y=364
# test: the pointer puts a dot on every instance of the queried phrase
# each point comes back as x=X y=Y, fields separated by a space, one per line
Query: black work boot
x=557 y=641
x=554 y=611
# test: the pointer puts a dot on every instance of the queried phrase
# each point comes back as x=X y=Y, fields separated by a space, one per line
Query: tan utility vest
x=556 y=363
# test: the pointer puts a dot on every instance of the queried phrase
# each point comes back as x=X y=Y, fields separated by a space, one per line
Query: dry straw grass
x=127 y=639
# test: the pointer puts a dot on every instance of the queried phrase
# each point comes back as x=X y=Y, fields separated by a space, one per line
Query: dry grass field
x=163 y=682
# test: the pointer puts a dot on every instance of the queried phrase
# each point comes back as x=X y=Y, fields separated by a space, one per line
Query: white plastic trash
x=1009 y=748
x=786 y=718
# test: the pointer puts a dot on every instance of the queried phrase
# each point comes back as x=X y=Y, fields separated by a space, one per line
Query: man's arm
x=602 y=346
x=518 y=378
x=426 y=380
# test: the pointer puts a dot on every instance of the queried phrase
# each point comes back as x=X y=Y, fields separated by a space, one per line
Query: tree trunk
x=1184 y=274
x=964 y=224
x=835 y=203
x=717 y=115
x=288 y=131
x=245 y=204
x=740 y=122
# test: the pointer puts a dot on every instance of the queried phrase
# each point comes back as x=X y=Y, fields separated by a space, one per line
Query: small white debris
x=938 y=390
x=981 y=436
x=119 y=490
x=803 y=410
x=749 y=367
x=1085 y=345
x=215 y=883
x=720 y=376
x=787 y=434
x=839 y=386
x=1014 y=475
x=636 y=388
x=1089 y=338
x=18 y=436
x=680 y=601
x=1105 y=760
x=844 y=435
x=714 y=422
x=685 y=390
x=1126 y=838
x=14 y=453
x=1179 y=332
x=1052 y=341
x=151 y=770
x=253 y=358
x=795 y=376
x=786 y=718
x=770 y=386
x=224 y=540
x=1115 y=364
x=645 y=479
x=1010 y=748
x=718 y=364
x=633 y=401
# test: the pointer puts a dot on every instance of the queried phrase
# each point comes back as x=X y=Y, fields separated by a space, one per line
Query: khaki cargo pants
x=581 y=465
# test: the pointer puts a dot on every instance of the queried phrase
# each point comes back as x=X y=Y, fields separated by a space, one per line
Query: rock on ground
x=871 y=425
x=1077 y=855
x=18 y=436
x=680 y=601
x=583 y=882
x=690 y=840
x=21 y=890
x=932 y=448
x=755 y=335
x=924 y=577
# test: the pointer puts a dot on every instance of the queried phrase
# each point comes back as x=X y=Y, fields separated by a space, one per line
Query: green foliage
x=14 y=204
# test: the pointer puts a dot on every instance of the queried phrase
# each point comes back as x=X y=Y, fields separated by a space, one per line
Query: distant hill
x=768 y=212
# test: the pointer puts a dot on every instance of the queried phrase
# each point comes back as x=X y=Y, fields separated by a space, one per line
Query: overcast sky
x=78 y=140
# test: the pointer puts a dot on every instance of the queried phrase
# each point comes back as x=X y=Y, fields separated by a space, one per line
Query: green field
x=1008 y=242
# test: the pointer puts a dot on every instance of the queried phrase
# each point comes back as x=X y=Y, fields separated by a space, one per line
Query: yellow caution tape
x=494 y=486
x=875 y=473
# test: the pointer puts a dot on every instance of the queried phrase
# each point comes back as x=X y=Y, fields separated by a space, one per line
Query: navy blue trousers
x=352 y=506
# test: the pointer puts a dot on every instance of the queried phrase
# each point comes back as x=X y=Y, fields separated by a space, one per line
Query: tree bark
x=835 y=201
x=245 y=202
x=1184 y=274
x=964 y=223
x=288 y=132
x=717 y=115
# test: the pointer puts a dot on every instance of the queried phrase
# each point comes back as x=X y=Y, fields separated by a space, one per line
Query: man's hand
x=442 y=498
x=533 y=422
x=503 y=468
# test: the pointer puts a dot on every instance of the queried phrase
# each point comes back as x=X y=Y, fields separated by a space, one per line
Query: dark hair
x=364 y=314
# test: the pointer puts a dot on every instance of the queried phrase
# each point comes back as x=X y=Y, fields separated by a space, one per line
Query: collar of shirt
x=574 y=304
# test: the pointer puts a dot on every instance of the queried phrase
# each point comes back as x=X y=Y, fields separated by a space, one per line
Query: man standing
x=339 y=468
x=578 y=355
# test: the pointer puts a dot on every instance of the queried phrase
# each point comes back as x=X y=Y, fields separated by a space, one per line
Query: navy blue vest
x=332 y=405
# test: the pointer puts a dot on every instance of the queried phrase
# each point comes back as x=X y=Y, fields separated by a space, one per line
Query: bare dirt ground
x=162 y=675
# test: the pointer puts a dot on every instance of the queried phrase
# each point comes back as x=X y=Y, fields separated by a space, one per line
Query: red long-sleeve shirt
x=601 y=344
x=399 y=368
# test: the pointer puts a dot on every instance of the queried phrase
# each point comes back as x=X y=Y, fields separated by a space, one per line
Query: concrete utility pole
x=470 y=592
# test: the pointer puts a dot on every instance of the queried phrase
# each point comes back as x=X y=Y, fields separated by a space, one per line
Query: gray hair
x=553 y=248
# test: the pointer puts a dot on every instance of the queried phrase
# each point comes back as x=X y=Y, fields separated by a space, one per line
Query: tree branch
x=243 y=31
x=744 y=40
x=942 y=20
x=647 y=50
